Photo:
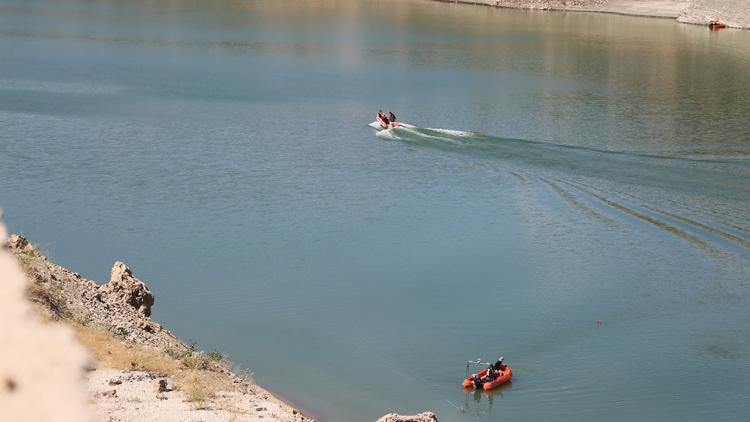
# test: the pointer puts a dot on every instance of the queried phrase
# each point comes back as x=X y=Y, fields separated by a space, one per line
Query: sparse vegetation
x=175 y=353
x=111 y=352
x=47 y=292
x=58 y=301
x=217 y=356
x=51 y=295
x=81 y=320
x=196 y=391
x=246 y=374
x=197 y=360
x=30 y=258
x=120 y=333
x=191 y=373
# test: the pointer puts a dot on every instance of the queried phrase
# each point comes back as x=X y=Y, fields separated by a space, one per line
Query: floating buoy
x=599 y=322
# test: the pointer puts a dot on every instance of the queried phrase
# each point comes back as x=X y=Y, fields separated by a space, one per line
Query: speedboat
x=381 y=125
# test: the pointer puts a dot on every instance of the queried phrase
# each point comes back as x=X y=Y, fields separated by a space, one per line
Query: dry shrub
x=200 y=386
x=31 y=259
x=218 y=357
x=52 y=298
x=196 y=360
x=113 y=353
x=196 y=391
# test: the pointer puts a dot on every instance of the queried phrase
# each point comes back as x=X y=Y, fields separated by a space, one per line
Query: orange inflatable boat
x=504 y=377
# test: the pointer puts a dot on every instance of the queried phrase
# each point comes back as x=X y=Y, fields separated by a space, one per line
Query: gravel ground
x=134 y=396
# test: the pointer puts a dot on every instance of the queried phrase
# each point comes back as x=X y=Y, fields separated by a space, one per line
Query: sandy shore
x=134 y=396
x=734 y=13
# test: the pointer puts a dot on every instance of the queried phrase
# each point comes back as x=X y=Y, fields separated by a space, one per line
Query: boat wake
x=715 y=175
x=405 y=132
x=696 y=199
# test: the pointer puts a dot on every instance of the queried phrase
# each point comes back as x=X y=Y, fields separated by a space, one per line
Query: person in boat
x=490 y=375
x=384 y=121
x=392 y=119
x=494 y=370
x=500 y=365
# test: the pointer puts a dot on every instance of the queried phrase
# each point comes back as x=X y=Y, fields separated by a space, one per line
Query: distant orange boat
x=715 y=25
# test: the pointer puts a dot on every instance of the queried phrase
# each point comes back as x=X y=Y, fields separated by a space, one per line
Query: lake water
x=594 y=167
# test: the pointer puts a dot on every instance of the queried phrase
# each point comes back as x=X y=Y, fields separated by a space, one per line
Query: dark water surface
x=221 y=149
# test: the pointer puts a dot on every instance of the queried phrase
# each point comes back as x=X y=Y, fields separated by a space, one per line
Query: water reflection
x=589 y=79
x=480 y=403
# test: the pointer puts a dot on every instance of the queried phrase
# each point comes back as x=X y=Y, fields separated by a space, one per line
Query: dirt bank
x=734 y=13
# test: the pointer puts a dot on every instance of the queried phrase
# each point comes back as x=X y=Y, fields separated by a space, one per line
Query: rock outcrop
x=19 y=243
x=121 y=307
x=420 y=417
x=125 y=288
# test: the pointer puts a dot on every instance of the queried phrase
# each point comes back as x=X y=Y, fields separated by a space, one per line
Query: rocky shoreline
x=140 y=370
x=137 y=370
x=733 y=13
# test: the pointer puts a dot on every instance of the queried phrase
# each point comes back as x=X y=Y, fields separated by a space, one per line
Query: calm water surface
x=598 y=167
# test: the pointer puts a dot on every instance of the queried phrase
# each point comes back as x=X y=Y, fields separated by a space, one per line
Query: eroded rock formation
x=420 y=417
x=125 y=288
x=122 y=307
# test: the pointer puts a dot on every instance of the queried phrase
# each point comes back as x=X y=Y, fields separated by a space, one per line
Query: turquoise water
x=580 y=167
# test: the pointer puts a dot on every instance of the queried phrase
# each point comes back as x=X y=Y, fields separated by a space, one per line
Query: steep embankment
x=143 y=372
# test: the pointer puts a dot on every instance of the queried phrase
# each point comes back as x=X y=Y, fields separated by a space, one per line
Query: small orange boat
x=715 y=25
x=504 y=377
